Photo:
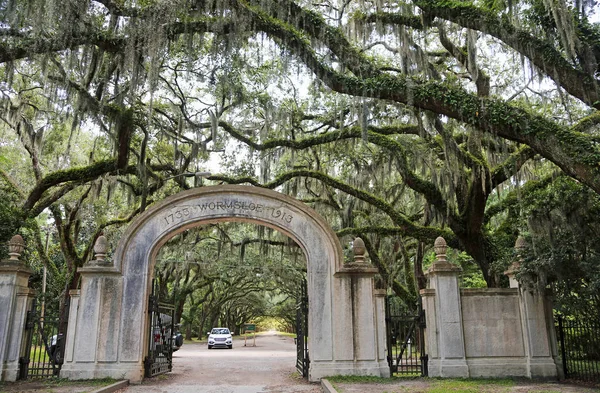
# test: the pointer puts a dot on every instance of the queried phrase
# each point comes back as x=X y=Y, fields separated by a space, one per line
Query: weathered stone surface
x=447 y=329
x=498 y=333
x=15 y=301
x=486 y=332
x=329 y=299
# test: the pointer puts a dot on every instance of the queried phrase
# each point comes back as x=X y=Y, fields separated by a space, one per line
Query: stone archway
x=108 y=314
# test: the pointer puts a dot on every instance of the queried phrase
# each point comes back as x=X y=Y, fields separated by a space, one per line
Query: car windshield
x=220 y=331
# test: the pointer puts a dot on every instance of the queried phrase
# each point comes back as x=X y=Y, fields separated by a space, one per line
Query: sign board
x=250 y=328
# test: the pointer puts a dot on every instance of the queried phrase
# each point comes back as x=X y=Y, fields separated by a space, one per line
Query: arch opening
x=238 y=273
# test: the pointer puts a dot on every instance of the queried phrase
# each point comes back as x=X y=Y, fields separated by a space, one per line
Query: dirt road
x=268 y=367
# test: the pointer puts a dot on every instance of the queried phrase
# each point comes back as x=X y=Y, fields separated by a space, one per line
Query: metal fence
x=160 y=338
x=43 y=345
x=405 y=340
x=302 y=357
x=579 y=345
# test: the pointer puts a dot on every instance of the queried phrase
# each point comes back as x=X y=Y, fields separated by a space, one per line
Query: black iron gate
x=405 y=339
x=44 y=343
x=579 y=345
x=160 y=339
x=302 y=359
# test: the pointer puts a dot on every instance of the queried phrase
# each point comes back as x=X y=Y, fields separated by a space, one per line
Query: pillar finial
x=359 y=249
x=520 y=245
x=15 y=247
x=100 y=248
x=440 y=246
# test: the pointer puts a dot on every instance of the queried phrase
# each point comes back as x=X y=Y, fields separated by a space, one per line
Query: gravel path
x=268 y=367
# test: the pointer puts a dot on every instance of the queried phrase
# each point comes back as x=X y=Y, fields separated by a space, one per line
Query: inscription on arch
x=237 y=207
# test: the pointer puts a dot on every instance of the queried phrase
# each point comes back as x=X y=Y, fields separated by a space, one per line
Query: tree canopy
x=399 y=121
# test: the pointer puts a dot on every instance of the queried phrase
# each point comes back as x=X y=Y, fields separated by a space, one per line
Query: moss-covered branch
x=510 y=166
x=587 y=123
x=44 y=203
x=429 y=235
x=376 y=135
x=25 y=45
x=408 y=296
x=513 y=198
x=9 y=180
x=411 y=229
x=541 y=53
x=575 y=153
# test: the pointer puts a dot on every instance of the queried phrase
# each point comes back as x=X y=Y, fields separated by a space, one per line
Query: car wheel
x=230 y=346
x=210 y=347
x=57 y=356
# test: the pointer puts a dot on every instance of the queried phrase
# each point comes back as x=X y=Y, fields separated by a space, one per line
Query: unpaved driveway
x=268 y=367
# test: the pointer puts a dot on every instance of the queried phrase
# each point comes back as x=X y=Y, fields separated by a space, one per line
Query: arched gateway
x=108 y=319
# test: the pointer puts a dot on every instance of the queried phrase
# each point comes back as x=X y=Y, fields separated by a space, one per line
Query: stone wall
x=486 y=332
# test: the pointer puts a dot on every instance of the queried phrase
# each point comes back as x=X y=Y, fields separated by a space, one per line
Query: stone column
x=380 y=295
x=537 y=323
x=74 y=295
x=15 y=300
x=449 y=359
x=365 y=316
x=92 y=342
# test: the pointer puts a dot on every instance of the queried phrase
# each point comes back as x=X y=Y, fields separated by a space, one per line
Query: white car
x=220 y=337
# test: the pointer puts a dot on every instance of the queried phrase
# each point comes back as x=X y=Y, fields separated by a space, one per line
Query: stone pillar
x=367 y=317
x=538 y=324
x=92 y=341
x=74 y=295
x=380 y=295
x=449 y=359
x=537 y=329
x=15 y=300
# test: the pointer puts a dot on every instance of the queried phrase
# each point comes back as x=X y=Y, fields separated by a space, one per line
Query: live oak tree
x=229 y=274
x=394 y=119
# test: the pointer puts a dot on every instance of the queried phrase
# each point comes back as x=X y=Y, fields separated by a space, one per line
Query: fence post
x=445 y=333
x=15 y=301
x=365 y=315
x=92 y=345
x=563 y=352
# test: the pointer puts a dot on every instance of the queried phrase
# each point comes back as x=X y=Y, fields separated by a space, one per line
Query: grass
x=39 y=354
x=471 y=385
x=51 y=384
x=434 y=385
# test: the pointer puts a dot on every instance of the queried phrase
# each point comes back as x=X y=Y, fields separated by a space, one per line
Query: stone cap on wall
x=443 y=267
x=100 y=269
x=427 y=292
x=14 y=266
x=356 y=269
x=380 y=292
x=489 y=291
